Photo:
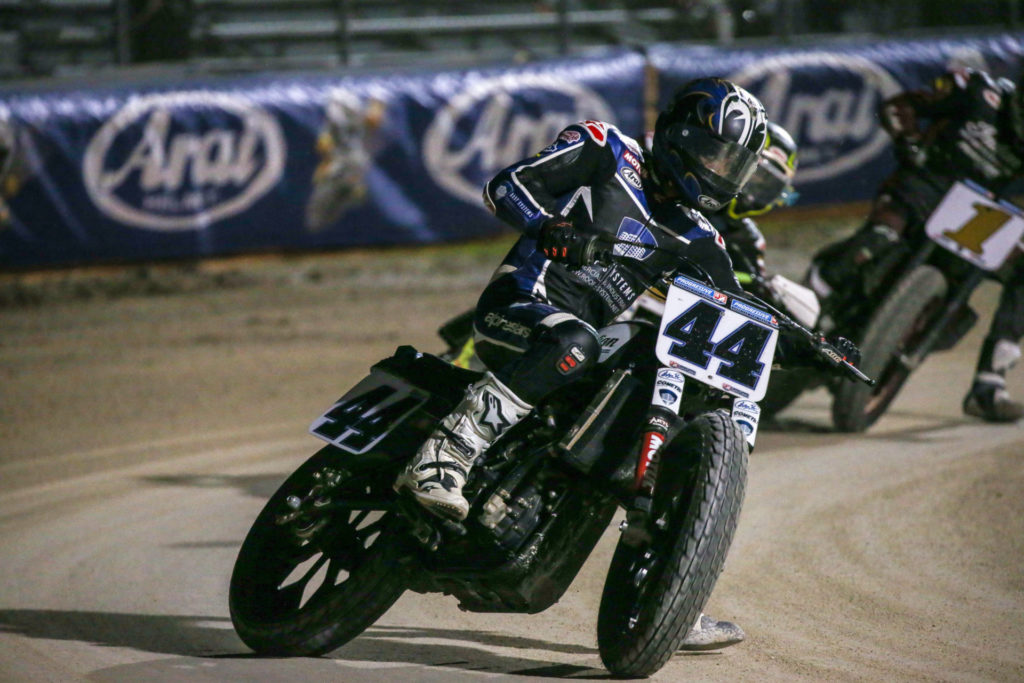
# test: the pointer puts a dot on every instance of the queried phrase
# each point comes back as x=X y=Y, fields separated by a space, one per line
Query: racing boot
x=988 y=397
x=991 y=402
x=711 y=634
x=438 y=471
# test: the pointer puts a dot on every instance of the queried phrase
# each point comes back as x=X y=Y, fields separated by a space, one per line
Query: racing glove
x=560 y=242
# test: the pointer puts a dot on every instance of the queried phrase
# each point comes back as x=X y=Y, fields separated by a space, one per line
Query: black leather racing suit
x=535 y=323
x=968 y=137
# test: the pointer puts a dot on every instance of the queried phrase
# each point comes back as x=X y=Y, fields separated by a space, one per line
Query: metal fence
x=47 y=37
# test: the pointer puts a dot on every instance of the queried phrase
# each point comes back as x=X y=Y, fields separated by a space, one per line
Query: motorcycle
x=661 y=427
x=929 y=277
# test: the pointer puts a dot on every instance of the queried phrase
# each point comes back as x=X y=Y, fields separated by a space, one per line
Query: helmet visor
x=766 y=187
x=730 y=164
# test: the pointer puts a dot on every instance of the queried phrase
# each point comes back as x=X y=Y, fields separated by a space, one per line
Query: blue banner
x=218 y=166
x=828 y=99
x=207 y=168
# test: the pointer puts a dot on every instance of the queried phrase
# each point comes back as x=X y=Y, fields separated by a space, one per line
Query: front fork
x=661 y=419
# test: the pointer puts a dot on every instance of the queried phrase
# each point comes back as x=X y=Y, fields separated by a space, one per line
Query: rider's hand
x=560 y=242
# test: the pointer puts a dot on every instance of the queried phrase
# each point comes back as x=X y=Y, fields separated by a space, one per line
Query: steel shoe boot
x=711 y=634
x=992 y=403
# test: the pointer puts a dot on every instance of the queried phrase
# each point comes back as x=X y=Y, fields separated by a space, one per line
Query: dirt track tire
x=895 y=326
x=278 y=620
x=640 y=627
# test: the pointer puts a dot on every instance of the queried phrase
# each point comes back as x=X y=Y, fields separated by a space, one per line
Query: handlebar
x=603 y=253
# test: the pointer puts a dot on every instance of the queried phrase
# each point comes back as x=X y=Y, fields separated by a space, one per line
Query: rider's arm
x=526 y=193
x=696 y=239
x=900 y=114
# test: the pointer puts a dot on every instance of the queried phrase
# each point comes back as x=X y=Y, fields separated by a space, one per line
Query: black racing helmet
x=771 y=183
x=707 y=141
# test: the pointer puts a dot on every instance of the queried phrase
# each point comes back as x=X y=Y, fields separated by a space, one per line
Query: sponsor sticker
x=631 y=177
x=671 y=375
x=510 y=326
x=755 y=313
x=632 y=230
x=570 y=136
x=668 y=389
x=747 y=414
x=699 y=289
x=633 y=161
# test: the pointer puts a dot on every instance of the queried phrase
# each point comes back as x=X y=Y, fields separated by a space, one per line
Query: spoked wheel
x=889 y=347
x=655 y=591
x=319 y=564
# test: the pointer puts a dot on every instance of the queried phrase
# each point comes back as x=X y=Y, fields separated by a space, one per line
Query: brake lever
x=858 y=375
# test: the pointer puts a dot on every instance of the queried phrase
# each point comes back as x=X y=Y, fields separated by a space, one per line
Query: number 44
x=739 y=351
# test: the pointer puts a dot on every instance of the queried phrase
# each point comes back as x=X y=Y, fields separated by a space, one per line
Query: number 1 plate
x=976 y=227
x=717 y=340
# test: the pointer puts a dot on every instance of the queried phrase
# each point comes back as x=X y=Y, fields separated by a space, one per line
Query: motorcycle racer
x=535 y=325
x=974 y=131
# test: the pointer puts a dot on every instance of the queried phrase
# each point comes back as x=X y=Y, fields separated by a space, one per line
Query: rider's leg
x=532 y=350
x=988 y=397
x=437 y=473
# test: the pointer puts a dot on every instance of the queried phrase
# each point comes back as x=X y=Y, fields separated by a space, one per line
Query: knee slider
x=577 y=346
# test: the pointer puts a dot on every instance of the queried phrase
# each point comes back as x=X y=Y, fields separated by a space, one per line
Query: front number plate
x=717 y=339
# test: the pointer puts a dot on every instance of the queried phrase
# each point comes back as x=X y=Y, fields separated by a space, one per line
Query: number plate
x=976 y=227
x=367 y=413
x=717 y=339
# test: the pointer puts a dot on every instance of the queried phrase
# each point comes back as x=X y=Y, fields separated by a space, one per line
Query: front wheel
x=893 y=335
x=316 y=569
x=654 y=593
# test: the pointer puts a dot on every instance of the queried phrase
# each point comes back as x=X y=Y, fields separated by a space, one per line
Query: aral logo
x=182 y=161
x=495 y=122
x=827 y=101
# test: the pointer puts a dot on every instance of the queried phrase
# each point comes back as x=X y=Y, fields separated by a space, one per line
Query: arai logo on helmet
x=497 y=121
x=832 y=114
x=709 y=203
x=160 y=164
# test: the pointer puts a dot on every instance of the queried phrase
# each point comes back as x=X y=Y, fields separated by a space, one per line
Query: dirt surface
x=146 y=415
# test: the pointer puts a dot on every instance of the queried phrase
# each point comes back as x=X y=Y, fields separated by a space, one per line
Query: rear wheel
x=892 y=337
x=315 y=570
x=654 y=593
